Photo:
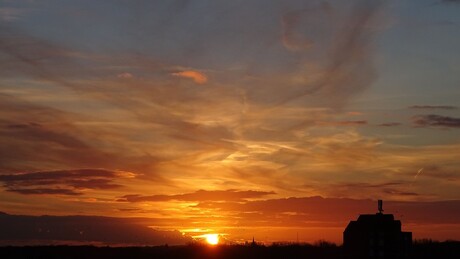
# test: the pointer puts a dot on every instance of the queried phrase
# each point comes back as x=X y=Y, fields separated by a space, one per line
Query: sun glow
x=212 y=239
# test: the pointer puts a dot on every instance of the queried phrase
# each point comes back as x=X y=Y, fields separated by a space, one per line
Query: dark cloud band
x=63 y=182
x=201 y=195
x=433 y=120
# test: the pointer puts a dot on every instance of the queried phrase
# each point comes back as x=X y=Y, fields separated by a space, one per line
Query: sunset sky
x=272 y=119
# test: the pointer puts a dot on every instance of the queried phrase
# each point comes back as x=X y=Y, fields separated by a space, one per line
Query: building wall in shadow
x=376 y=236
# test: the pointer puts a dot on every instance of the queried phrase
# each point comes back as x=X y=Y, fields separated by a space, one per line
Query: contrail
x=418 y=173
x=415 y=177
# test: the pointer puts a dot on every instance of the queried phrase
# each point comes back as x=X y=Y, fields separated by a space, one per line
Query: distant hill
x=42 y=230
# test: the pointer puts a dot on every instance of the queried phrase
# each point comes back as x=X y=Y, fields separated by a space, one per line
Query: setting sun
x=212 y=239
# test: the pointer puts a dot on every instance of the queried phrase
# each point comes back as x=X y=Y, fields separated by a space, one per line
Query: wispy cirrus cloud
x=239 y=118
x=27 y=127
x=437 y=121
x=11 y=14
x=33 y=56
x=293 y=39
x=348 y=65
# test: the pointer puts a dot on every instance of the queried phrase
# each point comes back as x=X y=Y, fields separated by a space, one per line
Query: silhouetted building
x=376 y=236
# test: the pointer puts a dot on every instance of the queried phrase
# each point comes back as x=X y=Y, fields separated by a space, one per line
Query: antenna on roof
x=380 y=202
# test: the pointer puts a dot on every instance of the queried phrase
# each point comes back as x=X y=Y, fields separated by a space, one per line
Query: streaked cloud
x=64 y=182
x=200 y=195
x=390 y=124
x=10 y=14
x=433 y=120
x=27 y=127
x=433 y=107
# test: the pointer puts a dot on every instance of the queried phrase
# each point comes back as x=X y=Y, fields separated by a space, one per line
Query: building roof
x=373 y=222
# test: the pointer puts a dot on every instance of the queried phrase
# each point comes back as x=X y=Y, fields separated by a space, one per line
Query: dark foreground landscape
x=420 y=249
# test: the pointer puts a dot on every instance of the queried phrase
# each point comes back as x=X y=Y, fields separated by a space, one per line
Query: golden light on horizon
x=212 y=239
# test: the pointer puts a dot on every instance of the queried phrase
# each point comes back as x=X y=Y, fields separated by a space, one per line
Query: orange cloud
x=196 y=76
x=125 y=75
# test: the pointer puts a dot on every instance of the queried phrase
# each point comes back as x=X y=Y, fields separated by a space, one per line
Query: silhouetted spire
x=380 y=206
